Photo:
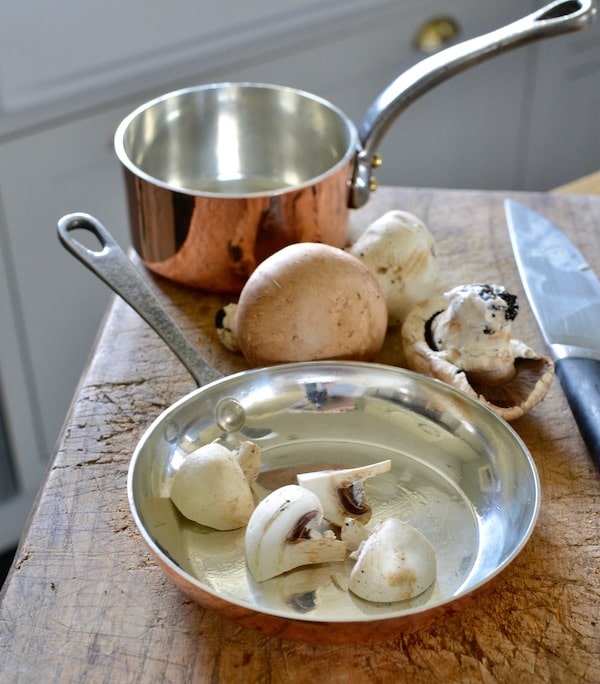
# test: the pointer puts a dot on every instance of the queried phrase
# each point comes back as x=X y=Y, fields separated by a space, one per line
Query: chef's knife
x=564 y=294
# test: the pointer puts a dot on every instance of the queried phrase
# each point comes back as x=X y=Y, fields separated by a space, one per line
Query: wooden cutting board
x=85 y=601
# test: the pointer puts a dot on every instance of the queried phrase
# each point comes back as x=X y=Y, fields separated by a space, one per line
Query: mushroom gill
x=464 y=338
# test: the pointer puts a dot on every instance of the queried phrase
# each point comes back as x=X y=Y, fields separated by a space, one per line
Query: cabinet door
x=463 y=134
x=562 y=140
x=42 y=177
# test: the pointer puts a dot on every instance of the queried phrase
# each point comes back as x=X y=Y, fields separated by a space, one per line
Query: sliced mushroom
x=464 y=338
x=342 y=492
x=400 y=251
x=282 y=535
x=212 y=485
x=395 y=563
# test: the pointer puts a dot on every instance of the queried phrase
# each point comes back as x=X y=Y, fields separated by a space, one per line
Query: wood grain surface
x=85 y=602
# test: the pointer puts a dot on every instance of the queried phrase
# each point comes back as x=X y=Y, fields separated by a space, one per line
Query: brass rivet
x=373 y=184
x=377 y=161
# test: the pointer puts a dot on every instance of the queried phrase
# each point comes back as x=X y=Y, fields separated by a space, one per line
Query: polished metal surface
x=562 y=289
x=235 y=139
x=459 y=474
x=221 y=176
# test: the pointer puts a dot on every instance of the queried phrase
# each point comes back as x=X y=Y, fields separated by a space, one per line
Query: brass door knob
x=436 y=34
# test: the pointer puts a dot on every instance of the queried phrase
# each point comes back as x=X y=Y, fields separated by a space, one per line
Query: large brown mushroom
x=463 y=337
x=310 y=301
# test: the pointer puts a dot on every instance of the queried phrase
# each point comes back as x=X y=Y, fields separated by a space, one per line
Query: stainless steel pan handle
x=112 y=265
x=562 y=16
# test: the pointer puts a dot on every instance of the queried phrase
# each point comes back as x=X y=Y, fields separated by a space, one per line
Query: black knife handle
x=580 y=380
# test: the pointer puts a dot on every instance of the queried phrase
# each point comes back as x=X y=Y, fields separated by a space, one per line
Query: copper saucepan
x=220 y=176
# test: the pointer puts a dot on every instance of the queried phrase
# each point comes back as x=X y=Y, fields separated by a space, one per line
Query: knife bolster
x=569 y=351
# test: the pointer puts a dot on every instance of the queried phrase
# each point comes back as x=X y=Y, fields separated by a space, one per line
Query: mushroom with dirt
x=212 y=485
x=464 y=337
x=283 y=534
x=395 y=562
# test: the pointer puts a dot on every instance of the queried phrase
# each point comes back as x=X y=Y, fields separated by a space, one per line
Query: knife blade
x=564 y=294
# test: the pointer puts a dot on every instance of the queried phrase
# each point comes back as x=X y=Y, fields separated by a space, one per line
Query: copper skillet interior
x=459 y=474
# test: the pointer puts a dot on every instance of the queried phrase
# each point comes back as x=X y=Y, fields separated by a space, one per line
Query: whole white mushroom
x=400 y=251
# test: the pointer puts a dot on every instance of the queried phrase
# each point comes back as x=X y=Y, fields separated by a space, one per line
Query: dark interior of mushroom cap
x=515 y=391
x=509 y=392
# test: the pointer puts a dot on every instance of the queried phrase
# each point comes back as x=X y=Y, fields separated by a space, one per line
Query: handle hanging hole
x=87 y=239
x=562 y=9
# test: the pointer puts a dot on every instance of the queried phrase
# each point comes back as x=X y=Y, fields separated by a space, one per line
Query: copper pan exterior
x=215 y=243
x=234 y=172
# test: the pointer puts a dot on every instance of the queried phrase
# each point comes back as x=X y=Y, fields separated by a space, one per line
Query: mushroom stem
x=249 y=459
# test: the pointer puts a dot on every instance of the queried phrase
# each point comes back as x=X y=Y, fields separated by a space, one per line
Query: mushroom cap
x=210 y=488
x=400 y=250
x=510 y=388
x=395 y=563
x=310 y=301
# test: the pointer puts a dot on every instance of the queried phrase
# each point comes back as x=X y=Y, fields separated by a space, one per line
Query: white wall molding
x=65 y=70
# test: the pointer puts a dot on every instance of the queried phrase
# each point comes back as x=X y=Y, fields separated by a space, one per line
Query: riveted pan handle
x=562 y=16
x=112 y=265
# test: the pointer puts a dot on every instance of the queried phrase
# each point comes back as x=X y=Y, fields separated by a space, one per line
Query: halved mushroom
x=464 y=338
x=282 y=534
x=212 y=485
x=342 y=492
x=395 y=563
